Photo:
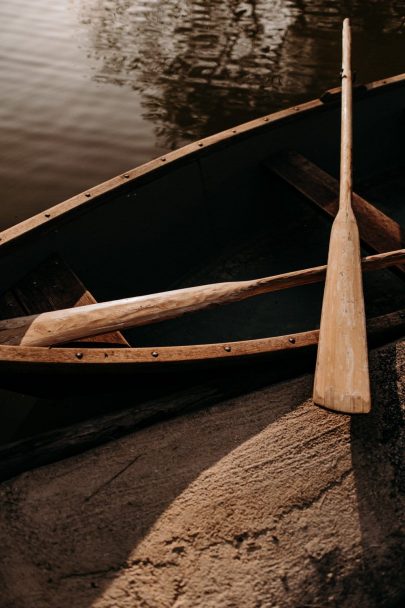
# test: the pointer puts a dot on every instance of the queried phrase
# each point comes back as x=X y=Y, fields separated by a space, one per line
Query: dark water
x=91 y=88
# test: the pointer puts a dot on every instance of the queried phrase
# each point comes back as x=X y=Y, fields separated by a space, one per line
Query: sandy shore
x=260 y=501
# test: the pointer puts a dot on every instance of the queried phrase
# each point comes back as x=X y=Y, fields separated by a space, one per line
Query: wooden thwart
x=52 y=286
x=377 y=231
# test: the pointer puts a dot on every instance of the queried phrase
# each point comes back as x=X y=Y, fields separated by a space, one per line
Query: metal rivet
x=292 y=340
x=126 y=175
x=163 y=160
x=154 y=354
x=227 y=348
x=201 y=144
x=402 y=315
x=79 y=355
x=47 y=215
x=266 y=119
x=87 y=194
x=234 y=131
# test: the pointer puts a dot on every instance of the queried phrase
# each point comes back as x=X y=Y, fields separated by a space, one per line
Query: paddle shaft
x=71 y=324
x=346 y=145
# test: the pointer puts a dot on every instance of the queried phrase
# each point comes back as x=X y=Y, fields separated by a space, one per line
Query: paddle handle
x=345 y=198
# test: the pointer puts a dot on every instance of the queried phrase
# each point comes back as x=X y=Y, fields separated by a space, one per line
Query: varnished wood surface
x=342 y=381
x=71 y=324
x=89 y=360
x=377 y=231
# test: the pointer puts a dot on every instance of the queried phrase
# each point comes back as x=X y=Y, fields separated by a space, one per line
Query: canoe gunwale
x=47 y=219
x=152 y=358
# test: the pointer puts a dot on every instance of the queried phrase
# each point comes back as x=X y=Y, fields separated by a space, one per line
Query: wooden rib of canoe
x=252 y=201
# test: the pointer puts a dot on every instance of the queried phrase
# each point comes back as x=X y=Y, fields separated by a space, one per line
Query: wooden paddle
x=71 y=324
x=342 y=380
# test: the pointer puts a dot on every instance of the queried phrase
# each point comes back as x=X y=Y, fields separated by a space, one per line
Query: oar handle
x=346 y=130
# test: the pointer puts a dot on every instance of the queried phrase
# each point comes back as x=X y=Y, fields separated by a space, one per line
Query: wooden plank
x=51 y=286
x=378 y=232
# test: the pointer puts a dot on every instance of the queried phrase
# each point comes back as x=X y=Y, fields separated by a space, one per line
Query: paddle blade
x=342 y=377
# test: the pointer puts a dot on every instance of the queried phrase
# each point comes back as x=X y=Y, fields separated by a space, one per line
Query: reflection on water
x=91 y=88
x=198 y=66
x=202 y=66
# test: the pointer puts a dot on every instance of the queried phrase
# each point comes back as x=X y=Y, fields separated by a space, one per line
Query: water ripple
x=93 y=87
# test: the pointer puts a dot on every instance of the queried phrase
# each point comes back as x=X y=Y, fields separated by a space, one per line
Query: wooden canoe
x=255 y=200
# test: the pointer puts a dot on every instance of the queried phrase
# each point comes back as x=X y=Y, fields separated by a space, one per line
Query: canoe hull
x=163 y=222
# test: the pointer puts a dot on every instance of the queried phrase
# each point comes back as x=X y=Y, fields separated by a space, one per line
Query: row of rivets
x=155 y=354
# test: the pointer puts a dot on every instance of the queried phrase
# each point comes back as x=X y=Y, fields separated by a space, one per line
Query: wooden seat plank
x=52 y=286
x=378 y=231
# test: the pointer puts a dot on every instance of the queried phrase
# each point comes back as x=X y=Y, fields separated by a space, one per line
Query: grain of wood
x=342 y=380
x=73 y=323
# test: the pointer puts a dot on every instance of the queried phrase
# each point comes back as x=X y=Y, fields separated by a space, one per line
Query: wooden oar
x=74 y=323
x=342 y=380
